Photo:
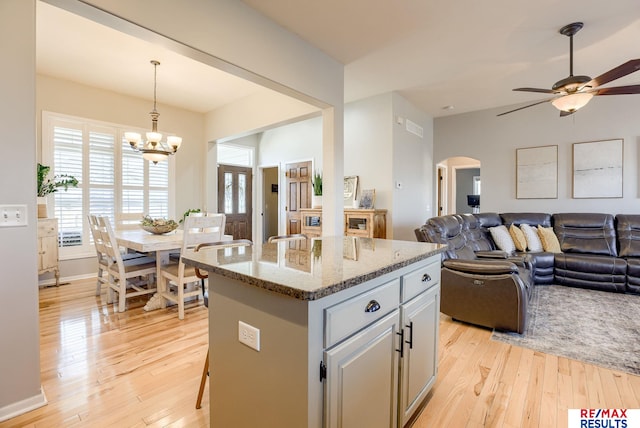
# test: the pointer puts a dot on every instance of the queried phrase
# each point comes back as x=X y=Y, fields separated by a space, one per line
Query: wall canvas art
x=597 y=169
x=537 y=173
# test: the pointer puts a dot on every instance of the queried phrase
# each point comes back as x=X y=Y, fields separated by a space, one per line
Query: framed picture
x=368 y=198
x=597 y=169
x=351 y=191
x=537 y=173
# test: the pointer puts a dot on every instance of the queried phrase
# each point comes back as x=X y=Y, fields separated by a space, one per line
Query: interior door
x=298 y=182
x=234 y=199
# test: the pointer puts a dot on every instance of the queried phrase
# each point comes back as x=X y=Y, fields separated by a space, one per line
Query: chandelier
x=153 y=149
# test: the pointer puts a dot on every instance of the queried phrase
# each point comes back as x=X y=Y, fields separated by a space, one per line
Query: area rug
x=596 y=327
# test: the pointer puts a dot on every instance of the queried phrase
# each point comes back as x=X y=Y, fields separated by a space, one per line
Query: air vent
x=414 y=128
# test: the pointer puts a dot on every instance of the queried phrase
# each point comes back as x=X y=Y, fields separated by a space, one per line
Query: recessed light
x=448 y=108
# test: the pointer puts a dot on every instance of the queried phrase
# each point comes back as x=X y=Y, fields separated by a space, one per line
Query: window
x=112 y=178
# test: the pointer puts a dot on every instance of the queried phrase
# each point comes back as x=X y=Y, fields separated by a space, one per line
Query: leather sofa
x=598 y=251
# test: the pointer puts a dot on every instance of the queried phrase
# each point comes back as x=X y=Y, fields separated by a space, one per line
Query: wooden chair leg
x=203 y=381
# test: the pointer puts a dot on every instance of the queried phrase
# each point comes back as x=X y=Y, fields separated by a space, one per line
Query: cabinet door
x=362 y=377
x=418 y=367
x=48 y=252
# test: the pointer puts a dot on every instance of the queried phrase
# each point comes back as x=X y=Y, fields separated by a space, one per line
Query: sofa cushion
x=503 y=240
x=628 y=228
x=532 y=219
x=518 y=237
x=633 y=276
x=531 y=235
x=587 y=233
x=477 y=238
x=448 y=230
x=591 y=271
x=549 y=239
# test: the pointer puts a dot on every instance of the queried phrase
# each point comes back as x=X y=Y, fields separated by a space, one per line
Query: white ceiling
x=462 y=53
x=74 y=48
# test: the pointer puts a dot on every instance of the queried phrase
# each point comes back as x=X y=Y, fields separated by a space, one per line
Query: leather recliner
x=479 y=285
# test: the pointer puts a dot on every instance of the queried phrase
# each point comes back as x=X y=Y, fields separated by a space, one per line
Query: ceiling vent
x=414 y=128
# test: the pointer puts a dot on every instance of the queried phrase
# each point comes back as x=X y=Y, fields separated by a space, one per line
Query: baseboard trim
x=23 y=406
x=52 y=281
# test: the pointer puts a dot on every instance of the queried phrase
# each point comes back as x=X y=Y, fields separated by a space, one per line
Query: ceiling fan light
x=572 y=102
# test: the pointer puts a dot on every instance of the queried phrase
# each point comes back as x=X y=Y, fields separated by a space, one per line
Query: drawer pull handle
x=372 y=306
x=426 y=277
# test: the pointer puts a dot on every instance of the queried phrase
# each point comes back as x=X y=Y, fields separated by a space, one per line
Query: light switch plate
x=13 y=215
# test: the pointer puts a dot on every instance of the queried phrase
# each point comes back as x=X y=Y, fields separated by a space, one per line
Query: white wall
x=20 y=355
x=368 y=149
x=413 y=169
x=493 y=141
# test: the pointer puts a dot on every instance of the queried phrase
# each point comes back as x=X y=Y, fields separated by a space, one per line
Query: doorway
x=270 y=205
x=298 y=183
x=457 y=177
x=235 y=199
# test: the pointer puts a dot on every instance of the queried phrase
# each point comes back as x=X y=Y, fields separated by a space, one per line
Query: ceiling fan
x=574 y=92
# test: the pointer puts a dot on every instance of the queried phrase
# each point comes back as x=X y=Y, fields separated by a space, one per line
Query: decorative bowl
x=159 y=230
x=158 y=226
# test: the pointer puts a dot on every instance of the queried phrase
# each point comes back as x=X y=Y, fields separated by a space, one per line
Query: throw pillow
x=503 y=240
x=549 y=239
x=518 y=238
x=531 y=235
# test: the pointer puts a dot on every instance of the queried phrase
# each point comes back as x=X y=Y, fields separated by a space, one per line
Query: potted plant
x=46 y=186
x=316 y=182
x=188 y=212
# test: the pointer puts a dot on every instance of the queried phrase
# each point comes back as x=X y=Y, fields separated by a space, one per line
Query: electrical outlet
x=13 y=215
x=249 y=335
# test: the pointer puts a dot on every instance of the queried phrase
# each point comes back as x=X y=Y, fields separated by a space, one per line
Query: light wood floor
x=139 y=369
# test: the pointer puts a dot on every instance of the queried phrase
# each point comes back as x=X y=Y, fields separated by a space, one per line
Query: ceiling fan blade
x=615 y=73
x=544 y=91
x=618 y=90
x=527 y=106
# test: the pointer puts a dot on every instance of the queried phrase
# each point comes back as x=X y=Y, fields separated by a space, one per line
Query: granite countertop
x=312 y=268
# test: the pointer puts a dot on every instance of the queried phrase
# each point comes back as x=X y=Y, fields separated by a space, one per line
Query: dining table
x=161 y=244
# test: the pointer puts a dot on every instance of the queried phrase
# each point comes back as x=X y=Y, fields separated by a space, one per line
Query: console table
x=48 y=247
x=365 y=223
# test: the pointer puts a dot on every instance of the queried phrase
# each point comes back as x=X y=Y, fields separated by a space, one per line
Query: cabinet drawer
x=420 y=279
x=346 y=318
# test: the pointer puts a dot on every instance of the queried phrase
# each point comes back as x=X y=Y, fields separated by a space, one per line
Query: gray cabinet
x=362 y=383
x=418 y=365
x=381 y=351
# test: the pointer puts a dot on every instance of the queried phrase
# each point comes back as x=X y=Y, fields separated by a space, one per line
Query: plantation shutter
x=112 y=178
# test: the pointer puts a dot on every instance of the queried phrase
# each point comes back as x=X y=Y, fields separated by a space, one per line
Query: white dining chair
x=203 y=275
x=134 y=278
x=128 y=221
x=101 y=254
x=176 y=276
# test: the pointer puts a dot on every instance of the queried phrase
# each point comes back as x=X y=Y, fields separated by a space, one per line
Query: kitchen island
x=332 y=331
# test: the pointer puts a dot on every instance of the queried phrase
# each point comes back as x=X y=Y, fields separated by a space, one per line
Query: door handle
x=410 y=341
